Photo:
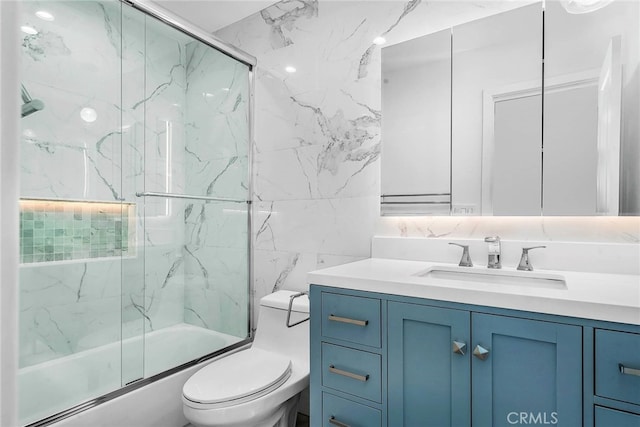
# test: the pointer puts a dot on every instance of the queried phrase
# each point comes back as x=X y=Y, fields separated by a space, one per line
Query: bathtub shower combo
x=134 y=210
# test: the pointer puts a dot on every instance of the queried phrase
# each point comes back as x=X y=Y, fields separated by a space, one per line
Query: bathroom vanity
x=407 y=343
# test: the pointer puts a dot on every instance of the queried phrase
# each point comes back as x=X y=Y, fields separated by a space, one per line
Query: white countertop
x=609 y=297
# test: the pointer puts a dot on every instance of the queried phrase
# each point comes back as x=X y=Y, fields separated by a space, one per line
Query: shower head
x=29 y=105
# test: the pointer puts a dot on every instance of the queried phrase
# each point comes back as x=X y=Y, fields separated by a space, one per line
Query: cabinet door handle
x=333 y=421
x=348 y=374
x=349 y=321
x=628 y=371
x=459 y=347
x=480 y=352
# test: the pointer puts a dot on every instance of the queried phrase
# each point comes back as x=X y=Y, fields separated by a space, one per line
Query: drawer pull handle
x=349 y=321
x=348 y=374
x=333 y=421
x=628 y=371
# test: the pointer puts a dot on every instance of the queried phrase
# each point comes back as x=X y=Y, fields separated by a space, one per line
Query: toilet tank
x=272 y=332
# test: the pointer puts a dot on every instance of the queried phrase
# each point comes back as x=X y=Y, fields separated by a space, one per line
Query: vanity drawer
x=352 y=371
x=618 y=365
x=337 y=411
x=606 y=417
x=353 y=319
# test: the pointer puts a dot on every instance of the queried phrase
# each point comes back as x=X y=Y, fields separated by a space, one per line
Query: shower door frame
x=183 y=26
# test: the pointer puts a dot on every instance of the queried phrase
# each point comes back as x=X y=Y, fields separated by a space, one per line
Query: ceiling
x=212 y=15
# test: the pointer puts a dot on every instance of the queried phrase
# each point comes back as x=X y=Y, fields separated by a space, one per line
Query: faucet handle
x=525 y=265
x=492 y=239
x=465 y=261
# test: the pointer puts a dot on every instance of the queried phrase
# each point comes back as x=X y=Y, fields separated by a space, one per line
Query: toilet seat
x=238 y=378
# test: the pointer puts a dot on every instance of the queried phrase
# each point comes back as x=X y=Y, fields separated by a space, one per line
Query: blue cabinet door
x=531 y=375
x=428 y=384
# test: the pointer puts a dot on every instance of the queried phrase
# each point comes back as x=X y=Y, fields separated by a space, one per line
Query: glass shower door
x=196 y=142
x=74 y=223
x=134 y=223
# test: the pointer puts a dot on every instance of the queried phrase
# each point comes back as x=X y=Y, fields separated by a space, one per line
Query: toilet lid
x=238 y=376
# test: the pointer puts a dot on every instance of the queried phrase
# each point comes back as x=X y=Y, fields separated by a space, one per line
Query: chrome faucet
x=465 y=261
x=525 y=264
x=494 y=252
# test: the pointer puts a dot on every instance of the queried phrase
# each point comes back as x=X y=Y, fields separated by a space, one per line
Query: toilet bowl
x=259 y=386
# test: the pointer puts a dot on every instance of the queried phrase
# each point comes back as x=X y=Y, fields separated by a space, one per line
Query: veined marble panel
x=219 y=298
x=275 y=270
x=215 y=224
x=162 y=302
x=66 y=307
x=217 y=131
x=311 y=172
x=64 y=157
x=330 y=226
x=225 y=178
x=216 y=266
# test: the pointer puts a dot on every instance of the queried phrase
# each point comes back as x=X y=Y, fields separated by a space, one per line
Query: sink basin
x=497 y=277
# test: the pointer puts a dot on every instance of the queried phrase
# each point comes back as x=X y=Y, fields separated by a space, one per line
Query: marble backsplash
x=593 y=244
x=563 y=229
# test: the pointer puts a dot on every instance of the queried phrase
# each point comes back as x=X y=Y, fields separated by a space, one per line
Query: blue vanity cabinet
x=531 y=373
x=380 y=360
x=429 y=366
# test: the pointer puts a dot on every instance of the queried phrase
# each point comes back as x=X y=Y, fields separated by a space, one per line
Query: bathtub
x=53 y=386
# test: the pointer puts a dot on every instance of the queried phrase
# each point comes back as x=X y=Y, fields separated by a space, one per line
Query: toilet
x=259 y=386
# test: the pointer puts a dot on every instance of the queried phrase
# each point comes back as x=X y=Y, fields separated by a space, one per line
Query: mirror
x=591 y=110
x=496 y=119
x=519 y=144
x=416 y=96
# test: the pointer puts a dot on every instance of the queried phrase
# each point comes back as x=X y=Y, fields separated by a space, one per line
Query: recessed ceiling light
x=44 y=15
x=290 y=69
x=28 y=30
x=88 y=114
x=379 y=40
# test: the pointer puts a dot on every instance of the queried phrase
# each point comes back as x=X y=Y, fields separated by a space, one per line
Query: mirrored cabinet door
x=416 y=126
x=591 y=110
x=497 y=114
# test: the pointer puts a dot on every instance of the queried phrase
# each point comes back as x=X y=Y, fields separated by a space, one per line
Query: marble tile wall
x=317 y=136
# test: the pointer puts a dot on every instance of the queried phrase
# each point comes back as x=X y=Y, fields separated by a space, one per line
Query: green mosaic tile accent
x=68 y=230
